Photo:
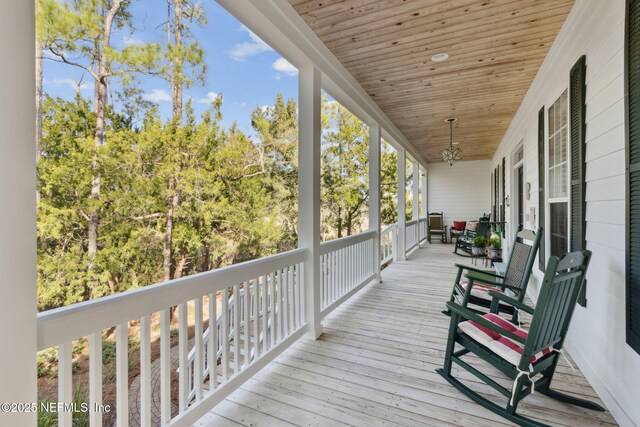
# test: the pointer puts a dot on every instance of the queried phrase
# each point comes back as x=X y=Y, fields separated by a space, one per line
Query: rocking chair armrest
x=477 y=270
x=490 y=283
x=512 y=301
x=474 y=317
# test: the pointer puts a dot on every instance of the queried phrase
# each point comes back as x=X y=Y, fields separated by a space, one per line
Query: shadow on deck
x=375 y=365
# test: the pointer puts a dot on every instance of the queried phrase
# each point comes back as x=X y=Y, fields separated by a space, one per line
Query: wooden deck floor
x=375 y=365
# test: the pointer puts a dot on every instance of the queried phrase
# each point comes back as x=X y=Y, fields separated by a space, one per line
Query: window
x=558 y=160
x=632 y=51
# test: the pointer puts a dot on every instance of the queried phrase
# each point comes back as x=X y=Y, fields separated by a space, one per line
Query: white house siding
x=594 y=28
x=461 y=191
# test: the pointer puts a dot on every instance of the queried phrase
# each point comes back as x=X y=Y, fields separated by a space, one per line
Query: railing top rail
x=413 y=222
x=422 y=220
x=389 y=227
x=343 y=242
x=81 y=319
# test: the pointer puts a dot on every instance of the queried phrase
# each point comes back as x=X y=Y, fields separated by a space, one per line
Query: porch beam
x=309 y=132
x=374 y=192
x=402 y=204
x=18 y=210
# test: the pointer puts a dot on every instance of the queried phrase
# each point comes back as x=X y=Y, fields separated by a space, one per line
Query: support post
x=415 y=194
x=423 y=191
x=415 y=191
x=402 y=205
x=423 y=179
x=309 y=132
x=374 y=192
x=18 y=210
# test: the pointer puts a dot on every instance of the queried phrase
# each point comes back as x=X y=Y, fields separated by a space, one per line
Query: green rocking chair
x=514 y=282
x=519 y=354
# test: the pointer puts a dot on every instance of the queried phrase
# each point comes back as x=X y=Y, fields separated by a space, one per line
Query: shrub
x=495 y=243
x=480 y=241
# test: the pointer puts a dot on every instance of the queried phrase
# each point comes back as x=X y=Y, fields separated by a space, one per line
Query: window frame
x=557 y=94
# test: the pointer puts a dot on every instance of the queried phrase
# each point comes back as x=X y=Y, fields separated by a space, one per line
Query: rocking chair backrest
x=482 y=228
x=560 y=288
x=522 y=258
x=435 y=221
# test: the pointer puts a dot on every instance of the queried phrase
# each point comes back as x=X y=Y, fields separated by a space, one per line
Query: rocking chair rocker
x=519 y=354
x=514 y=281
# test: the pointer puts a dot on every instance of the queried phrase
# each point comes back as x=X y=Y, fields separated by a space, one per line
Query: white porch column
x=415 y=191
x=309 y=132
x=18 y=209
x=423 y=180
x=374 y=192
x=402 y=205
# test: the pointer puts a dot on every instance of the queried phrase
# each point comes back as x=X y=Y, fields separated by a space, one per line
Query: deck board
x=375 y=365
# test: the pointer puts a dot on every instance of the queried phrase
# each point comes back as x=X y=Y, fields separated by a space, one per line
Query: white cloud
x=283 y=66
x=157 y=95
x=211 y=97
x=71 y=83
x=132 y=41
x=242 y=51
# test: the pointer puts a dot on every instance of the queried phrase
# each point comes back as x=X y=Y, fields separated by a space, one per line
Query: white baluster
x=145 y=372
x=198 y=362
x=165 y=367
x=65 y=380
x=225 y=333
x=213 y=342
x=95 y=378
x=247 y=321
x=183 y=361
x=122 y=374
x=237 y=306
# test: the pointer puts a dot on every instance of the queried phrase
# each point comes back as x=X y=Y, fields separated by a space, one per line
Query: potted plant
x=479 y=244
x=494 y=248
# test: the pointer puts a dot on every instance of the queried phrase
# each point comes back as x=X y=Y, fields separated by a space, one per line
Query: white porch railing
x=346 y=264
x=411 y=235
x=388 y=243
x=261 y=313
x=422 y=229
x=263 y=325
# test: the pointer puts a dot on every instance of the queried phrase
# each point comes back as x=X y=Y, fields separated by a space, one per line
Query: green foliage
x=237 y=199
x=480 y=241
x=47 y=362
x=345 y=171
x=388 y=184
x=79 y=418
x=495 y=243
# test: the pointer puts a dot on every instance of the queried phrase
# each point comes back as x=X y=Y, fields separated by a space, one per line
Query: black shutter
x=541 y=163
x=632 y=98
x=493 y=203
x=504 y=199
x=577 y=126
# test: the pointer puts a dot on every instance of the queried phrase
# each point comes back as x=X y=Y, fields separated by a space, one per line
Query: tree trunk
x=182 y=262
x=100 y=108
x=38 y=105
x=177 y=71
x=168 y=232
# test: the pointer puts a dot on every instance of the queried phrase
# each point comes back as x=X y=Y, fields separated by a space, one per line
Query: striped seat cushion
x=478 y=290
x=509 y=350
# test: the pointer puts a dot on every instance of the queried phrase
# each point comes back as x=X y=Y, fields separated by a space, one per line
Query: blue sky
x=245 y=70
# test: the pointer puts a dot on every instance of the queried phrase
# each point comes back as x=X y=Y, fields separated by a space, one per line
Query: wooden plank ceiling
x=495 y=48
